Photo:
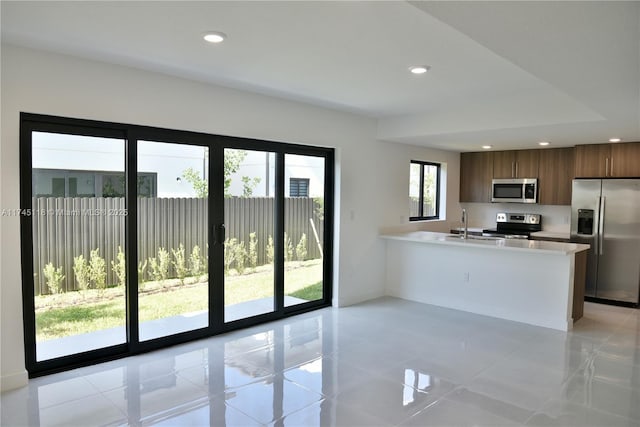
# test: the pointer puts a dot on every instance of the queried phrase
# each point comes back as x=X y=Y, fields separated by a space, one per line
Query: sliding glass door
x=172 y=238
x=304 y=223
x=135 y=238
x=249 y=218
x=77 y=214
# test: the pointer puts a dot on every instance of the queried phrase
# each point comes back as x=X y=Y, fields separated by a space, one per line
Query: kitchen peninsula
x=521 y=280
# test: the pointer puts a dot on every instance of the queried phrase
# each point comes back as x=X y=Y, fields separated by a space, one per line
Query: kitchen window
x=424 y=190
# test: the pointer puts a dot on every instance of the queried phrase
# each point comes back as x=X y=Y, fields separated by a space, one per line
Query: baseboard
x=13 y=381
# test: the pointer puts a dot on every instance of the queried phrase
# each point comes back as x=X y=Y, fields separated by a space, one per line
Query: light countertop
x=534 y=246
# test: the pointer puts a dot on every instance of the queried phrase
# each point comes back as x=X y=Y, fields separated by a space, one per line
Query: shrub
x=97 y=270
x=301 y=248
x=269 y=250
x=164 y=262
x=240 y=257
x=160 y=265
x=196 y=262
x=229 y=253
x=288 y=248
x=142 y=269
x=54 y=278
x=82 y=272
x=252 y=256
x=180 y=263
x=119 y=267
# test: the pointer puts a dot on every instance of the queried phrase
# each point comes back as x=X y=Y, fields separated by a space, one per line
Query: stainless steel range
x=515 y=225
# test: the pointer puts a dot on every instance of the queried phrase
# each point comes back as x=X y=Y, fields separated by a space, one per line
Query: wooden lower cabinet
x=579 y=280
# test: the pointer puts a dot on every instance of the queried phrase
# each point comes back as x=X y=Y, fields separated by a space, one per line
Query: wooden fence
x=66 y=227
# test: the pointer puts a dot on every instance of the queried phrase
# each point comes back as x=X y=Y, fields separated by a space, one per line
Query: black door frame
x=131 y=134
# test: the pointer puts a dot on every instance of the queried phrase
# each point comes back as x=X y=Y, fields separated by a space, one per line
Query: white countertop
x=535 y=246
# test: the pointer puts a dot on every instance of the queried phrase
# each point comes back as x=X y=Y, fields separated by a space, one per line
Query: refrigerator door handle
x=601 y=225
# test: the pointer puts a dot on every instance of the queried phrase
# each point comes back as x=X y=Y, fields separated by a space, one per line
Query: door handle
x=601 y=225
x=219 y=232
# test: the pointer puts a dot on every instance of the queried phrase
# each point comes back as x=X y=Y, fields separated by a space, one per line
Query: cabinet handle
x=516 y=169
x=606 y=166
x=513 y=169
x=612 y=166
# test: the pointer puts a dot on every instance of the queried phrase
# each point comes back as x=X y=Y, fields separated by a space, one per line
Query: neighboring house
x=87 y=183
x=303 y=175
x=61 y=169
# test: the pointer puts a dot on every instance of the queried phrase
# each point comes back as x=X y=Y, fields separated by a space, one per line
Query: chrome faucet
x=465 y=221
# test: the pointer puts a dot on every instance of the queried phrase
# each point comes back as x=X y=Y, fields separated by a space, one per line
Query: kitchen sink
x=472 y=237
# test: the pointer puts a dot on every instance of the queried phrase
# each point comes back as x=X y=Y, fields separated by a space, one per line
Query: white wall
x=372 y=176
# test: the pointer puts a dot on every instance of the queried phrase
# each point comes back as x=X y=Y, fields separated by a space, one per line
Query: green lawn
x=76 y=313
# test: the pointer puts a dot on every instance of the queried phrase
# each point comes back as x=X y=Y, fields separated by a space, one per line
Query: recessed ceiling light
x=615 y=139
x=487 y=147
x=543 y=143
x=420 y=69
x=215 y=37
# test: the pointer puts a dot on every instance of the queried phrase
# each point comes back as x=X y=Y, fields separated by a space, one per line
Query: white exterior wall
x=372 y=177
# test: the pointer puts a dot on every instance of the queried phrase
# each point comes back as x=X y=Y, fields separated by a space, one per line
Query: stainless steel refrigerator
x=605 y=213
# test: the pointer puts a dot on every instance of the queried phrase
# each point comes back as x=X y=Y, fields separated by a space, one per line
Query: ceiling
x=508 y=74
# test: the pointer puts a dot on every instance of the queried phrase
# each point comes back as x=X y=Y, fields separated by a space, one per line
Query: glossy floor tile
x=385 y=362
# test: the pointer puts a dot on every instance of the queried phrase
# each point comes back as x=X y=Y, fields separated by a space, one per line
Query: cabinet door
x=504 y=164
x=527 y=163
x=555 y=174
x=625 y=160
x=476 y=170
x=592 y=161
x=515 y=164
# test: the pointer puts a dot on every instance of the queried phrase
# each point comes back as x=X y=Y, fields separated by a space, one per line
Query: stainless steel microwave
x=518 y=190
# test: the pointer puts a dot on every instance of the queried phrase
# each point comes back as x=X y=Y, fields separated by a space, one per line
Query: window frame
x=421 y=216
x=131 y=134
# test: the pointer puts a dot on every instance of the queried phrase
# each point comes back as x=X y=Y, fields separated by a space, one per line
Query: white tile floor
x=384 y=362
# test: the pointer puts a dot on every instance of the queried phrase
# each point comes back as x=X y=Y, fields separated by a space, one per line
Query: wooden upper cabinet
x=592 y=161
x=555 y=176
x=515 y=164
x=608 y=160
x=625 y=160
x=476 y=170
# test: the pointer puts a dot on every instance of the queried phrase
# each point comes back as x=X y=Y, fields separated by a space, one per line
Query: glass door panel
x=173 y=247
x=78 y=223
x=303 y=226
x=249 y=222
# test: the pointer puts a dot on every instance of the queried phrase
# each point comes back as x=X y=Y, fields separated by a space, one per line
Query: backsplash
x=483 y=215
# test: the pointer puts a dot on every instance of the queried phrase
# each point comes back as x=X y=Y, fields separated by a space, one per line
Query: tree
x=200 y=186
x=232 y=161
